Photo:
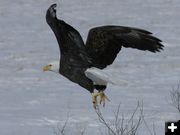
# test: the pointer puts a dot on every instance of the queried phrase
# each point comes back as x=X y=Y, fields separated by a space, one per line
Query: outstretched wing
x=70 y=41
x=104 y=43
x=74 y=59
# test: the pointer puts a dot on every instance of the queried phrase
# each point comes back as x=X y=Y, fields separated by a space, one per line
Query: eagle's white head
x=53 y=66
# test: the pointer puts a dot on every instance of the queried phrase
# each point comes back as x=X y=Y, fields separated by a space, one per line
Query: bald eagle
x=82 y=62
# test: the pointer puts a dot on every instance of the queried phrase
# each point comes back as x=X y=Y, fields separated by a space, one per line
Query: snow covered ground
x=33 y=102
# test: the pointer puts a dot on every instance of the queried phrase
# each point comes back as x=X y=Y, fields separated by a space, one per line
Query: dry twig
x=175 y=97
x=121 y=126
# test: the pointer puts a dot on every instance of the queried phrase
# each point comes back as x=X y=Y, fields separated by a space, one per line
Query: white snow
x=33 y=102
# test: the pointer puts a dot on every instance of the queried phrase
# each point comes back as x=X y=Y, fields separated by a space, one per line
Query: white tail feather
x=101 y=77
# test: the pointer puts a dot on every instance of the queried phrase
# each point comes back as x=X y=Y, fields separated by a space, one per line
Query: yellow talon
x=102 y=96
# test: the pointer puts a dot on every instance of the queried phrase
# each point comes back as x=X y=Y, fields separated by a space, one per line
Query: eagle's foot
x=102 y=96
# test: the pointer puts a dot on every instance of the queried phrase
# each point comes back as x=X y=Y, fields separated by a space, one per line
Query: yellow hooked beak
x=46 y=68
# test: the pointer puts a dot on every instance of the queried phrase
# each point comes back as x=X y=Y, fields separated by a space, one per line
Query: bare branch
x=61 y=129
x=121 y=126
x=103 y=121
x=175 y=97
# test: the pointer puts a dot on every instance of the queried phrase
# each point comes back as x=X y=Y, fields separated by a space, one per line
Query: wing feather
x=104 y=42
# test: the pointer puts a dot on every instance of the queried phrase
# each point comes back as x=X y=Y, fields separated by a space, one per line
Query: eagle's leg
x=102 y=96
x=94 y=99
